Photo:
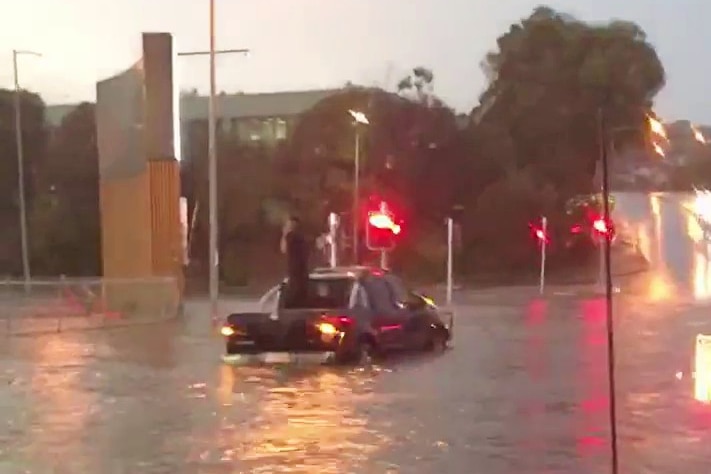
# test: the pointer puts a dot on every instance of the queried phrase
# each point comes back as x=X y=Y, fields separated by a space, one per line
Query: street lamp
x=212 y=162
x=359 y=119
x=21 y=166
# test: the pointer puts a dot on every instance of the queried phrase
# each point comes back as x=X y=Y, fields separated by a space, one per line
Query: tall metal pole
x=608 y=293
x=542 y=283
x=356 y=195
x=450 y=259
x=212 y=176
x=21 y=174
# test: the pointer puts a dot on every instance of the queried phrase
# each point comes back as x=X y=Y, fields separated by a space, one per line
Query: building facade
x=264 y=119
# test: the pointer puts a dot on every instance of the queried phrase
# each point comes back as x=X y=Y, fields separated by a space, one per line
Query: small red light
x=600 y=226
x=538 y=233
x=576 y=229
x=381 y=220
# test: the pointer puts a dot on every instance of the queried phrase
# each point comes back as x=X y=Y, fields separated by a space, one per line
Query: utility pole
x=26 y=276
x=212 y=163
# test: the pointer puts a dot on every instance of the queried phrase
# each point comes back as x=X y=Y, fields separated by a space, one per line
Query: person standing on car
x=295 y=246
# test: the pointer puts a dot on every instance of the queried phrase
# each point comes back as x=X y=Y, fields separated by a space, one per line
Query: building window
x=280 y=130
x=249 y=130
x=224 y=125
x=268 y=130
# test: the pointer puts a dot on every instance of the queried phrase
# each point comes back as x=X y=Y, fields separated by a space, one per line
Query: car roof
x=352 y=271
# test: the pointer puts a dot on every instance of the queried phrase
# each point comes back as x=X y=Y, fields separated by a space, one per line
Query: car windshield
x=322 y=293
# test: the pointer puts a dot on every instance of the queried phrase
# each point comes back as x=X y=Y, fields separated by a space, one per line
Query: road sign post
x=333 y=222
x=544 y=225
x=450 y=259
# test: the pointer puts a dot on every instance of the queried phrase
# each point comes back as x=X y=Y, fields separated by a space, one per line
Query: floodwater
x=524 y=390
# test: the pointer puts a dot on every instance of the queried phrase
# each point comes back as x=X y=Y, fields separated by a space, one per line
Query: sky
x=308 y=44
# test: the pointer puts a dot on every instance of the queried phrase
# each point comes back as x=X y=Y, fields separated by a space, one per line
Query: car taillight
x=333 y=324
x=339 y=321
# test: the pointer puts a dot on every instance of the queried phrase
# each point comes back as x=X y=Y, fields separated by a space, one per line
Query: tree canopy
x=34 y=139
x=402 y=152
x=549 y=77
x=530 y=144
x=64 y=218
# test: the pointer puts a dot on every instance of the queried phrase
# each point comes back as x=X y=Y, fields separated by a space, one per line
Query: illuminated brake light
x=227 y=331
x=338 y=321
x=327 y=329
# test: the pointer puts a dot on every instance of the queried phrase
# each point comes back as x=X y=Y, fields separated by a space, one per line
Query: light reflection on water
x=307 y=419
x=57 y=373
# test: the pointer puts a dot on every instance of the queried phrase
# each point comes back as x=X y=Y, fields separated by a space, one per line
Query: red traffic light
x=603 y=228
x=539 y=233
x=600 y=226
x=383 y=221
x=381 y=229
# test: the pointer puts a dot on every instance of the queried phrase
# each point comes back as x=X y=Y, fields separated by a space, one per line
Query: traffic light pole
x=333 y=239
x=544 y=225
x=601 y=276
x=356 y=195
x=450 y=259
x=384 y=259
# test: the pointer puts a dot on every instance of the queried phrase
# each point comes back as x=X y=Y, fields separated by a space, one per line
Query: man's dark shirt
x=297 y=255
x=297 y=262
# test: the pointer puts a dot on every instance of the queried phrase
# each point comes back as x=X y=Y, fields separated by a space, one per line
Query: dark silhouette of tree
x=534 y=137
x=548 y=78
x=65 y=220
x=404 y=154
x=34 y=138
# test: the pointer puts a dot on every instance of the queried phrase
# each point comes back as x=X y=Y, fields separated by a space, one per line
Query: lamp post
x=21 y=166
x=359 y=119
x=212 y=163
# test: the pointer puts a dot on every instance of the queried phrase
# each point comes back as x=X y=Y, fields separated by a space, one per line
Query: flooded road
x=524 y=390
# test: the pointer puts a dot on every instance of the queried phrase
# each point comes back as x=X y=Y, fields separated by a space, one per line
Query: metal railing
x=61 y=304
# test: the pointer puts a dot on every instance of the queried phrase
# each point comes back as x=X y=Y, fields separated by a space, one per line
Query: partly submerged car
x=349 y=315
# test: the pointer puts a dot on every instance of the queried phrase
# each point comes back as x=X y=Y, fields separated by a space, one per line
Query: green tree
x=65 y=221
x=497 y=228
x=548 y=79
x=245 y=188
x=405 y=154
x=419 y=86
x=34 y=139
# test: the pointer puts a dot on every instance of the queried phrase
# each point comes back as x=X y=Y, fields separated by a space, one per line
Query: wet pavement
x=523 y=391
x=671 y=239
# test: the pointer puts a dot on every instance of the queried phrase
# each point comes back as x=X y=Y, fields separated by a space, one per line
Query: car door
x=386 y=320
x=413 y=317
